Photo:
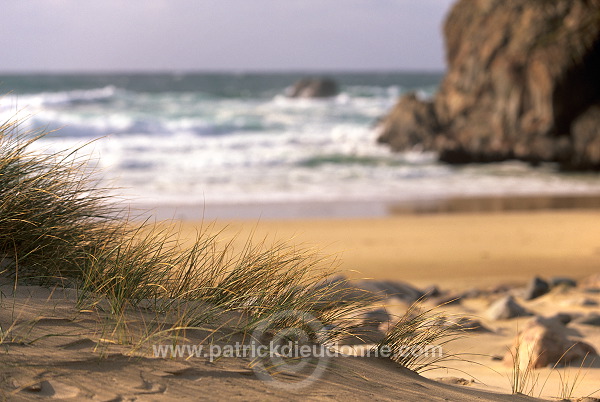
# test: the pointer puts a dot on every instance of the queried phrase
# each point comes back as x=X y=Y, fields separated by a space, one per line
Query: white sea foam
x=189 y=147
x=57 y=98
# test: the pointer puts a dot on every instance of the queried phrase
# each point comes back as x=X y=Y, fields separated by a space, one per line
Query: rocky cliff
x=523 y=82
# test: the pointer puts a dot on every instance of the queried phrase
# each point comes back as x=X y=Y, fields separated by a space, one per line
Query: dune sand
x=463 y=251
x=53 y=351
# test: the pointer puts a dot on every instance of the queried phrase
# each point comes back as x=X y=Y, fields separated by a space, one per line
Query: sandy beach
x=459 y=250
x=85 y=358
x=242 y=201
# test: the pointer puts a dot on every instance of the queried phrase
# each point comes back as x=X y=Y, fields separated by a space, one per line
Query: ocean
x=234 y=143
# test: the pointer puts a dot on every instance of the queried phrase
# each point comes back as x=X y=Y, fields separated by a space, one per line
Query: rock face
x=313 y=88
x=523 y=83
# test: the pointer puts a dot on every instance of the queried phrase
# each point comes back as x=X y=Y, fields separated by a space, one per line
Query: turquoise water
x=231 y=139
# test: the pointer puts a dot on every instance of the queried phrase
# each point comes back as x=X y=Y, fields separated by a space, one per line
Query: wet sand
x=294 y=210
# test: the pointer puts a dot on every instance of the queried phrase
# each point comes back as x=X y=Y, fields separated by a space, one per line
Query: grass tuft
x=58 y=226
x=417 y=340
x=52 y=216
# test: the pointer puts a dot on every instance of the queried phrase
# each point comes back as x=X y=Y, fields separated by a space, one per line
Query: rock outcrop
x=523 y=83
x=313 y=88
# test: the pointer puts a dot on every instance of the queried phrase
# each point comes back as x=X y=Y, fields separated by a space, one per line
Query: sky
x=221 y=35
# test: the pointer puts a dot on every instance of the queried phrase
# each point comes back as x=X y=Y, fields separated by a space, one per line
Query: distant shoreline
x=368 y=209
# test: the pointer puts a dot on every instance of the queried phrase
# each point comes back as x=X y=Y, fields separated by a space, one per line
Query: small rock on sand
x=592 y=319
x=591 y=282
x=454 y=380
x=472 y=324
x=387 y=289
x=562 y=281
x=545 y=342
x=376 y=317
x=506 y=308
x=537 y=287
x=563 y=318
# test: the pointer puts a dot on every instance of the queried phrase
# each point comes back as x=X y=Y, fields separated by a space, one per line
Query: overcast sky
x=233 y=35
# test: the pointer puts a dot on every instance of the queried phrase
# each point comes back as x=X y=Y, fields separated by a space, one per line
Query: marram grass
x=418 y=340
x=58 y=226
x=52 y=218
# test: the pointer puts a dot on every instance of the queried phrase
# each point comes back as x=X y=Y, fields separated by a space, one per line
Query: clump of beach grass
x=58 y=226
x=52 y=217
x=152 y=269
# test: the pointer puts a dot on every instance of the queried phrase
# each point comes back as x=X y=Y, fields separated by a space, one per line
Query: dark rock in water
x=585 y=132
x=415 y=119
x=387 y=289
x=591 y=319
x=506 y=308
x=313 y=88
x=562 y=281
x=522 y=83
x=537 y=287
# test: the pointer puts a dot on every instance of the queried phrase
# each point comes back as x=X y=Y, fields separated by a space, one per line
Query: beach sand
x=459 y=250
x=72 y=357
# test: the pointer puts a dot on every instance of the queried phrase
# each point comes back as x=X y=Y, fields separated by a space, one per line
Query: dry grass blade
x=416 y=341
x=523 y=380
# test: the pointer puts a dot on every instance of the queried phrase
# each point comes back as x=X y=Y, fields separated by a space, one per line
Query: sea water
x=236 y=139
